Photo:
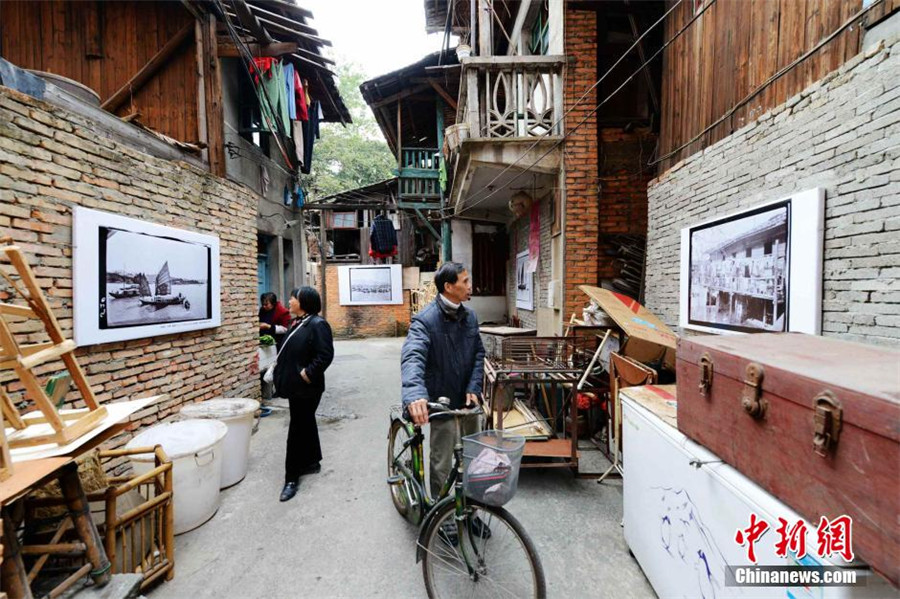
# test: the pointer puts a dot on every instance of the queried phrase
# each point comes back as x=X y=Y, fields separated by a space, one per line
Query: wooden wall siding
x=58 y=36
x=733 y=48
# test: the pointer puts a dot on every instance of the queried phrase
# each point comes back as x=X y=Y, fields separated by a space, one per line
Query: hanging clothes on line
x=301 y=100
x=290 y=94
x=273 y=92
x=310 y=135
x=382 y=238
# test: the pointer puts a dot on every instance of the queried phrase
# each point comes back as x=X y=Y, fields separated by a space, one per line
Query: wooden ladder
x=66 y=426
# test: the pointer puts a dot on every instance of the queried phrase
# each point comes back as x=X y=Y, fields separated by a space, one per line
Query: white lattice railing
x=512 y=96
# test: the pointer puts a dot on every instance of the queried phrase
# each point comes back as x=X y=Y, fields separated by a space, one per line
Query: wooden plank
x=46 y=355
x=93 y=40
x=443 y=93
x=249 y=20
x=215 y=115
x=227 y=49
x=551 y=448
x=14 y=310
x=149 y=69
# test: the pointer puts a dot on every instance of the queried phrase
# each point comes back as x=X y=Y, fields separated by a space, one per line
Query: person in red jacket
x=274 y=319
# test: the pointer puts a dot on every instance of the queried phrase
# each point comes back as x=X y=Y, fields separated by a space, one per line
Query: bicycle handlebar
x=440 y=409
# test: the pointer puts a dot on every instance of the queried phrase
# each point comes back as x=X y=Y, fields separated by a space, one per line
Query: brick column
x=581 y=155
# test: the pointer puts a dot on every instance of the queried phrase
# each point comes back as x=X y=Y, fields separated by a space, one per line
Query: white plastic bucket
x=195 y=448
x=237 y=414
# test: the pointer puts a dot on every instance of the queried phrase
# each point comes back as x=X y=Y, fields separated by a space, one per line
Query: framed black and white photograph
x=135 y=279
x=362 y=285
x=759 y=270
x=524 y=282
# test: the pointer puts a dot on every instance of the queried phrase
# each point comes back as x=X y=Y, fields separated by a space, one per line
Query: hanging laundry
x=310 y=134
x=297 y=134
x=289 y=74
x=442 y=175
x=273 y=92
x=299 y=197
x=382 y=238
x=300 y=100
x=264 y=180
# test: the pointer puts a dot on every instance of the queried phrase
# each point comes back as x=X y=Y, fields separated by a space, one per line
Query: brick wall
x=581 y=153
x=363 y=321
x=518 y=242
x=624 y=175
x=52 y=160
x=842 y=134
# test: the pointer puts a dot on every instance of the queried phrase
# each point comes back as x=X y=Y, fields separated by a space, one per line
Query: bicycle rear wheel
x=503 y=558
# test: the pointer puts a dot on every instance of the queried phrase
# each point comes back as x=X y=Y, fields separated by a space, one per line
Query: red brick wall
x=582 y=208
x=52 y=160
x=363 y=321
x=624 y=176
x=606 y=173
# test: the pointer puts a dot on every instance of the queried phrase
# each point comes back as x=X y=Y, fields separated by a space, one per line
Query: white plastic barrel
x=195 y=448
x=237 y=414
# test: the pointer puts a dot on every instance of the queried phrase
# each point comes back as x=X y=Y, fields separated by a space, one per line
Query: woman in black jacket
x=300 y=376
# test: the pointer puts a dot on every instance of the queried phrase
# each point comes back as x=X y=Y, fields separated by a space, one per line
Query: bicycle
x=490 y=554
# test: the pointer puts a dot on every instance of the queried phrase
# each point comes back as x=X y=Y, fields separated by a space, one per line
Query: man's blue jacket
x=442 y=357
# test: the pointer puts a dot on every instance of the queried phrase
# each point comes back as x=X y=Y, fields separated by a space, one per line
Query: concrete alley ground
x=341 y=537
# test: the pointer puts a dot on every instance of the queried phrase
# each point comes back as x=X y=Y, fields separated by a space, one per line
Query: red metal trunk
x=814 y=420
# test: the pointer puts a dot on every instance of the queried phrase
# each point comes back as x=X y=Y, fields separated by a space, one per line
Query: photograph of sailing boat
x=524 y=283
x=136 y=279
x=151 y=279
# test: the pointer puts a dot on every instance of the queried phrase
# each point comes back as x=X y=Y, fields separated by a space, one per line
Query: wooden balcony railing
x=512 y=96
x=419 y=173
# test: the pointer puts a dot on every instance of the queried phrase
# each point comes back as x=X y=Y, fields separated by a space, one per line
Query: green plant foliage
x=351 y=156
x=266 y=340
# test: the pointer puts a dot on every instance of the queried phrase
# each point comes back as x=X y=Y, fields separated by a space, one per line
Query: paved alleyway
x=340 y=537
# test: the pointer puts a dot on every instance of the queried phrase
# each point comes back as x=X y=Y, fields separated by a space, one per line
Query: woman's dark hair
x=268 y=297
x=309 y=299
x=447 y=273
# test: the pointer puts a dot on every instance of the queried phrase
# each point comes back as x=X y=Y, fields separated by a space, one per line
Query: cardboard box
x=649 y=340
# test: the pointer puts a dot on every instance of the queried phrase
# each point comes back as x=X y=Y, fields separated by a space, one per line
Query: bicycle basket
x=491 y=463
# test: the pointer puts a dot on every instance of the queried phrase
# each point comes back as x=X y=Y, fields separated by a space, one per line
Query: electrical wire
x=585 y=95
x=583 y=120
x=248 y=57
x=769 y=82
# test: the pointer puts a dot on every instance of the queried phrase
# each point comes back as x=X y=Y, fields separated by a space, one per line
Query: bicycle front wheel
x=493 y=557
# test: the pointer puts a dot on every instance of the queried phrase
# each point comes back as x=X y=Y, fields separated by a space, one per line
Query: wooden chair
x=24 y=358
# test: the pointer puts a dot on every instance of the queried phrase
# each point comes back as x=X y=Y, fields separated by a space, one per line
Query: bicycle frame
x=454 y=480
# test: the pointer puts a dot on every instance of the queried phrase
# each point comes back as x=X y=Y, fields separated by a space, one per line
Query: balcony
x=419 y=174
x=512 y=107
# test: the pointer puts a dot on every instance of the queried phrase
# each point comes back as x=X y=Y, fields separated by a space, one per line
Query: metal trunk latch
x=827 y=420
x=706 y=373
x=751 y=397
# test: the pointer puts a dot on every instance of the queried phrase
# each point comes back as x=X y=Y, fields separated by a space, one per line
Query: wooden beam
x=212 y=84
x=319 y=57
x=288 y=6
x=227 y=49
x=311 y=38
x=400 y=95
x=443 y=93
x=249 y=20
x=517 y=27
x=286 y=21
x=148 y=70
x=312 y=63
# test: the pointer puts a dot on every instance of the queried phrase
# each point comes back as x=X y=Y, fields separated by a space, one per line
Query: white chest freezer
x=683 y=507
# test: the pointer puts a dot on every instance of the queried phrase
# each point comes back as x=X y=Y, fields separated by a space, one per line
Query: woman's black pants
x=303 y=449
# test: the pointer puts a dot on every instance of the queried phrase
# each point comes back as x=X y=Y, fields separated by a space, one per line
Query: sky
x=379 y=35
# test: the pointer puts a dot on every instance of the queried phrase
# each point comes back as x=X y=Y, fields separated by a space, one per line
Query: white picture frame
x=756 y=270
x=110 y=255
x=370 y=284
x=524 y=283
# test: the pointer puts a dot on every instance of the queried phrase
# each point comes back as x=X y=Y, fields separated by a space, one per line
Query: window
x=540 y=32
x=250 y=121
x=489 y=251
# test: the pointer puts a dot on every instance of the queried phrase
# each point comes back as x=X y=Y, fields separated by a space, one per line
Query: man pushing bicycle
x=443 y=357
